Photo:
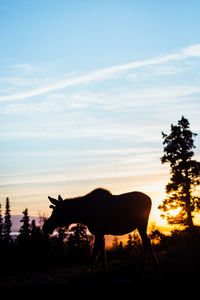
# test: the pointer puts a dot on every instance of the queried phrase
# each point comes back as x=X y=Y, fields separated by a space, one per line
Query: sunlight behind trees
x=185 y=175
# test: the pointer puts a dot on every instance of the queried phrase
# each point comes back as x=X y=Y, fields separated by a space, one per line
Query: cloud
x=104 y=73
x=103 y=164
x=25 y=67
x=193 y=50
x=114 y=100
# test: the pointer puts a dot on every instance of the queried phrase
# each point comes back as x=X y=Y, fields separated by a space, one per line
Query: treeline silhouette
x=32 y=250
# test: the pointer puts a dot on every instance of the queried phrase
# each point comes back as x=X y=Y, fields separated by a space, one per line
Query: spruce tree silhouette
x=78 y=244
x=78 y=235
x=35 y=230
x=1 y=225
x=25 y=229
x=7 y=223
x=185 y=175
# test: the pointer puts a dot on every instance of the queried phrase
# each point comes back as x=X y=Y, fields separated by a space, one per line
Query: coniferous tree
x=35 y=230
x=185 y=175
x=78 y=244
x=130 y=242
x=33 y=227
x=7 y=222
x=25 y=229
x=115 y=243
x=78 y=236
x=1 y=225
x=61 y=234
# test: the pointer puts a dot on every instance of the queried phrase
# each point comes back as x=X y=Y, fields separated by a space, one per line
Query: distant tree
x=78 y=237
x=133 y=244
x=25 y=229
x=42 y=219
x=61 y=233
x=78 y=244
x=35 y=230
x=33 y=227
x=155 y=234
x=7 y=222
x=120 y=246
x=115 y=243
x=130 y=241
x=185 y=175
x=1 y=225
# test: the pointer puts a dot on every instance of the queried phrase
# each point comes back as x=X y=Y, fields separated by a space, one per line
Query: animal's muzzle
x=46 y=229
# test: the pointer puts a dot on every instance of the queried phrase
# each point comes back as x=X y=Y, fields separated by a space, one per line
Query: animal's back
x=137 y=200
x=131 y=207
x=118 y=214
x=99 y=194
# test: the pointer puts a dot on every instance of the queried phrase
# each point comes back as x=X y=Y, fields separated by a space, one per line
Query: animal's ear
x=52 y=206
x=53 y=201
x=60 y=198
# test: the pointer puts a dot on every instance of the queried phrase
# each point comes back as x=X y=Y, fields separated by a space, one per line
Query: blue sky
x=86 y=87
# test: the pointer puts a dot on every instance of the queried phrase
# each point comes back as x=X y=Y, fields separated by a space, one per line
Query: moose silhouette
x=103 y=214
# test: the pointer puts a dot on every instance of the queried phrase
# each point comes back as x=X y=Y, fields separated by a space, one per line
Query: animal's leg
x=102 y=256
x=148 y=250
x=98 y=252
x=95 y=254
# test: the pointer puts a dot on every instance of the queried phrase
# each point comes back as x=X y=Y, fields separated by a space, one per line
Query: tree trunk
x=188 y=201
x=189 y=218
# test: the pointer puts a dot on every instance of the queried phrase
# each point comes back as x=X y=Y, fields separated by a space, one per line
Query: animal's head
x=56 y=219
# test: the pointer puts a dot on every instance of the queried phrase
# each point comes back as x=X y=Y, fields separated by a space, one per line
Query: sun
x=155 y=217
x=174 y=212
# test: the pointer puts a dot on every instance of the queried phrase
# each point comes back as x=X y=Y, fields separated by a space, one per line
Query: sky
x=86 y=88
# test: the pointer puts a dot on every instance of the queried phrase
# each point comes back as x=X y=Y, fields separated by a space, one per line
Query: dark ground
x=179 y=270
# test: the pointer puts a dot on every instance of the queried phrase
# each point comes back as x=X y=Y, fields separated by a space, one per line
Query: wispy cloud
x=24 y=67
x=104 y=73
x=115 y=100
x=101 y=165
x=193 y=50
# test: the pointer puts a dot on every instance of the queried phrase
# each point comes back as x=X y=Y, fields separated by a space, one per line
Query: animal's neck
x=75 y=210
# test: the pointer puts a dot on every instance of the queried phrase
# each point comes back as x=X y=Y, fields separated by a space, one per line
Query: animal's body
x=103 y=214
